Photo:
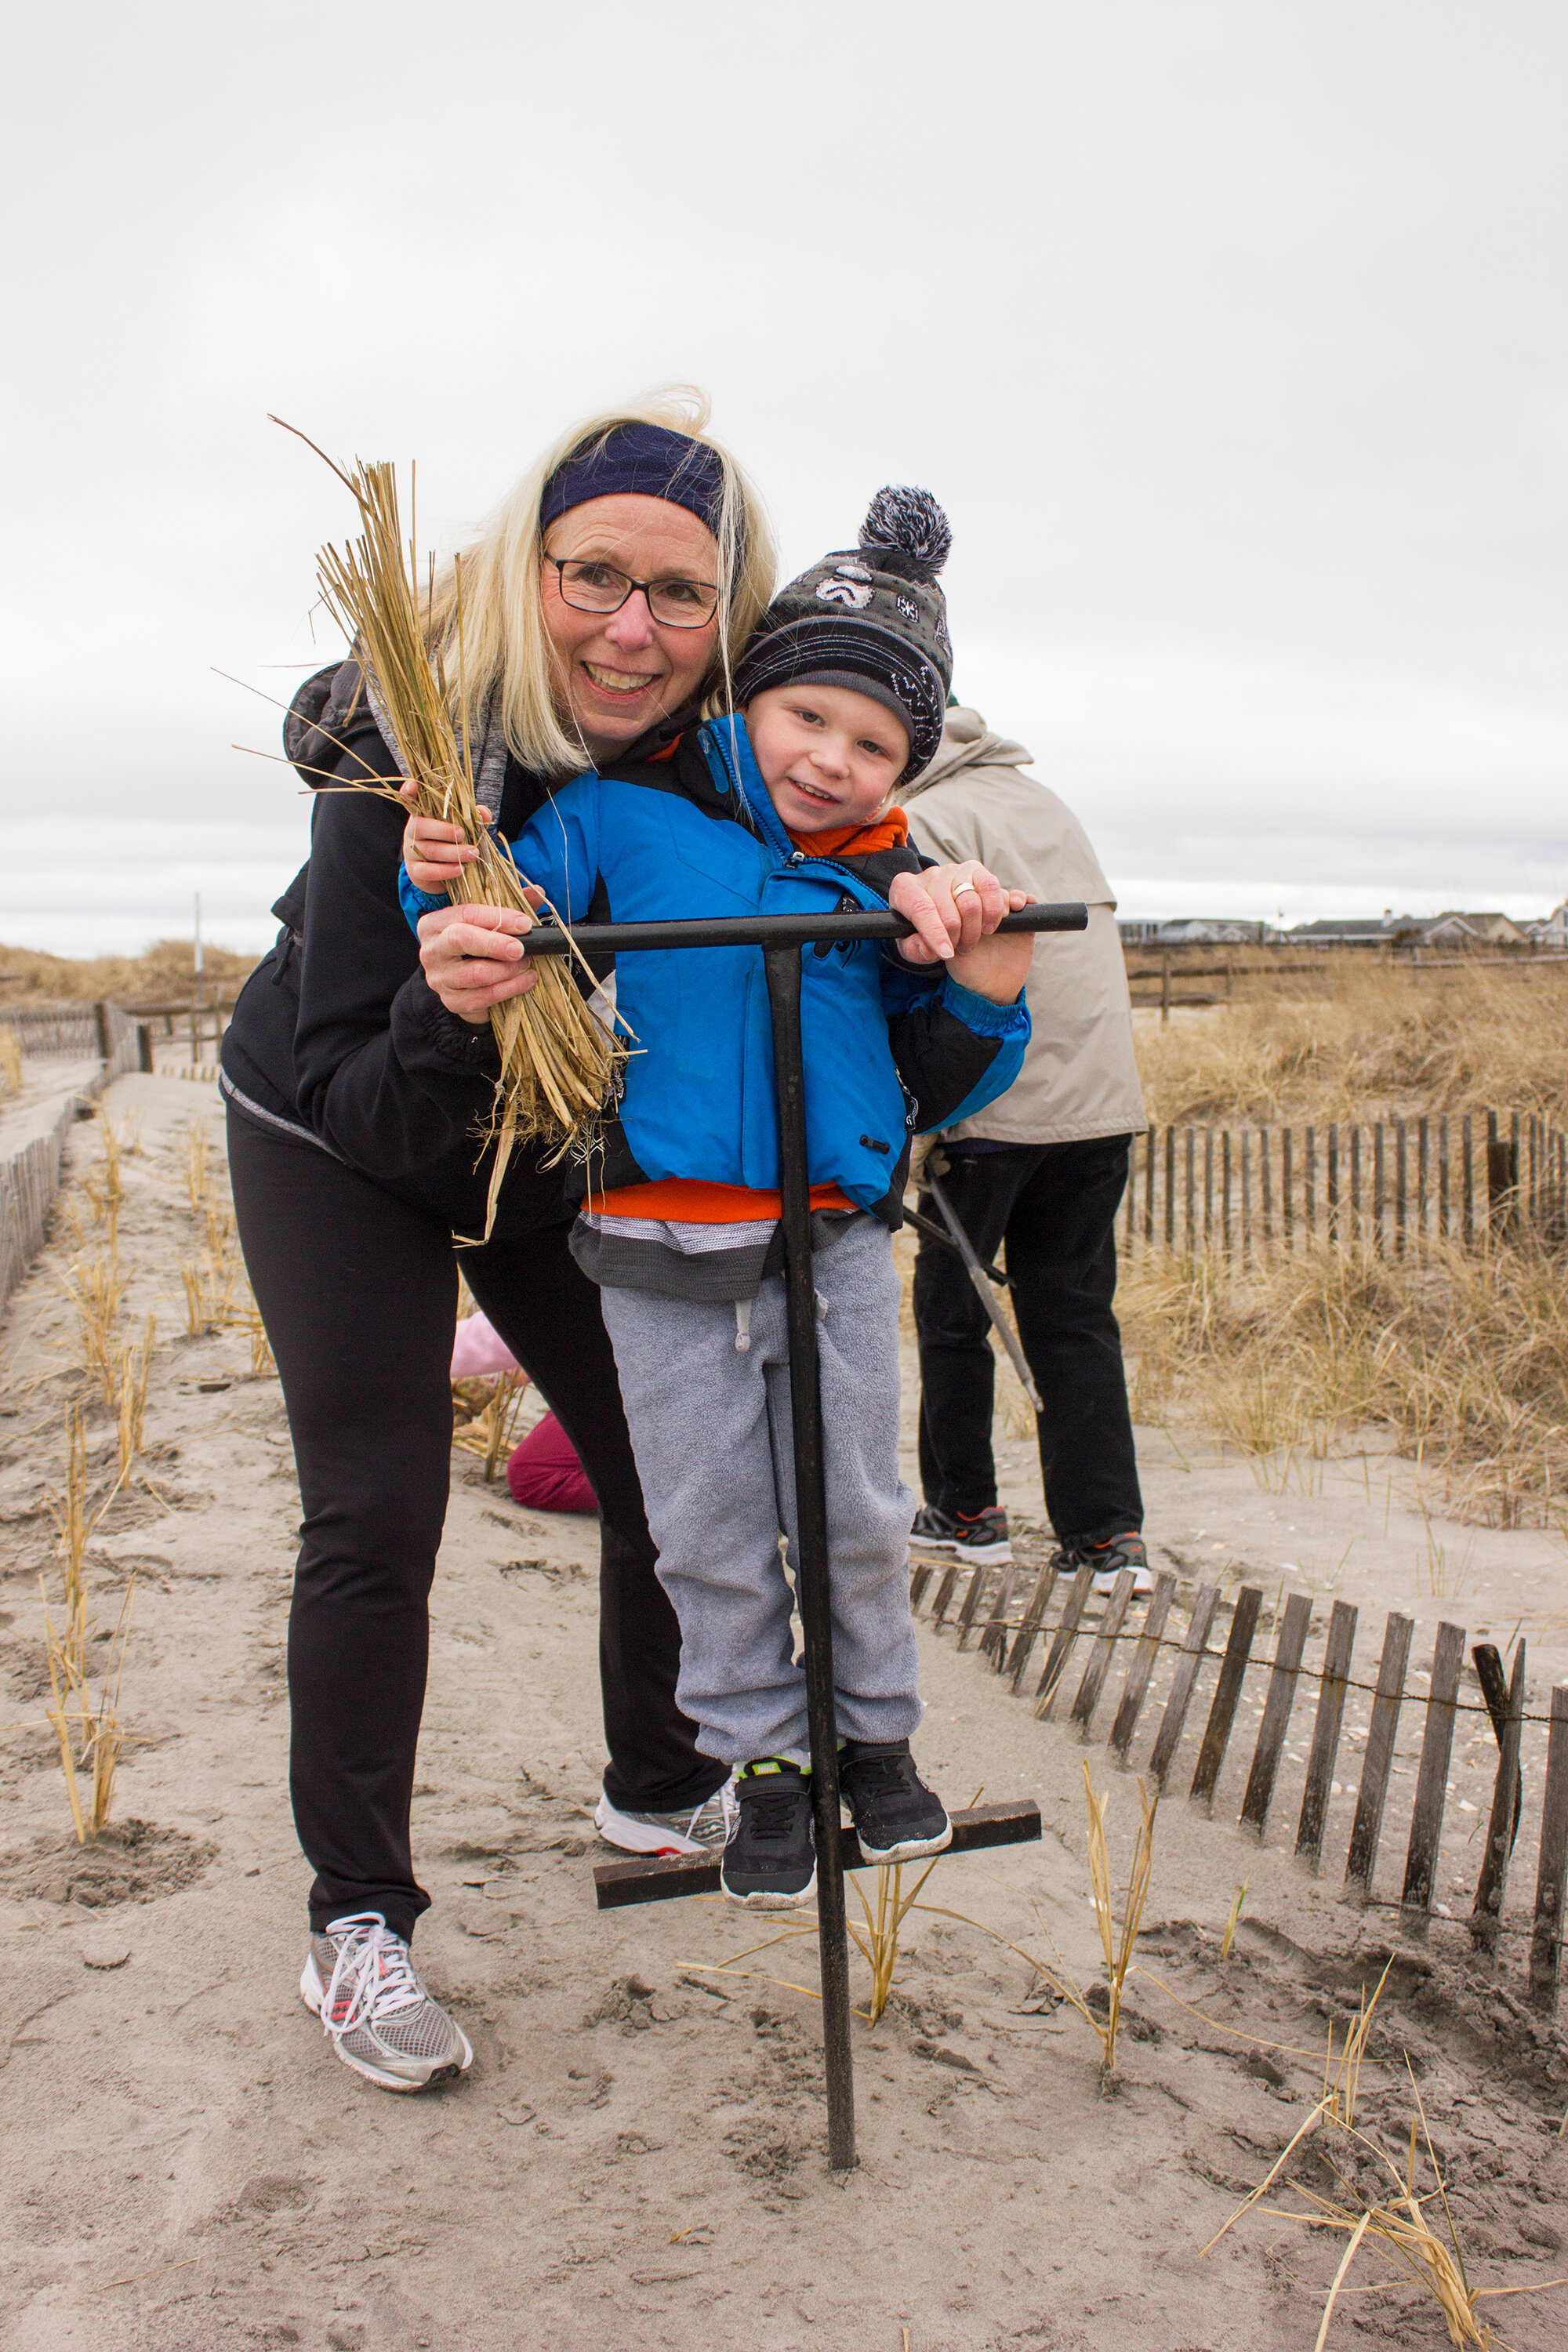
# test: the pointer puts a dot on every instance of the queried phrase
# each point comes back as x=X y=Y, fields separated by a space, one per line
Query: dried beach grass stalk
x=95 y=1287
x=10 y=1060
x=198 y=1164
x=558 y=1063
x=134 y=1365
x=1232 y=1921
x=1118 y=1948
x=493 y=1407
x=89 y=1733
x=1395 y=2220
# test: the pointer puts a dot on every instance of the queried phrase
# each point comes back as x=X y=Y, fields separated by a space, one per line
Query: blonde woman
x=608 y=600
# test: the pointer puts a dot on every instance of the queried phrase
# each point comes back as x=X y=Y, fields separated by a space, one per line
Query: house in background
x=1552 y=930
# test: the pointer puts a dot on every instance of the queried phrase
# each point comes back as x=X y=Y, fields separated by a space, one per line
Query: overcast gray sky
x=1232 y=337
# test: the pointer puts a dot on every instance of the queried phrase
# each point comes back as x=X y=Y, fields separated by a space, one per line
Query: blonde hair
x=505 y=647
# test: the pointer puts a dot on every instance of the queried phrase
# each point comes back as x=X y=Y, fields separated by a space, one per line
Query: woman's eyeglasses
x=589 y=586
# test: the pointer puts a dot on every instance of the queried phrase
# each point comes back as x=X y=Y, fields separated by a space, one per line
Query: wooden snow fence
x=1388 y=1186
x=31 y=1179
x=1032 y=1629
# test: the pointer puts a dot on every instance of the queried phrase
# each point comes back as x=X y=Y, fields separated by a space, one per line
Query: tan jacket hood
x=966 y=742
x=1080 y=1078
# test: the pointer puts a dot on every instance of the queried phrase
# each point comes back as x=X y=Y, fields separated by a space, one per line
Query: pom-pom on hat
x=870 y=619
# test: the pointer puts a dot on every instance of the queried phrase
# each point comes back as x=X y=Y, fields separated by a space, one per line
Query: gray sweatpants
x=711 y=1429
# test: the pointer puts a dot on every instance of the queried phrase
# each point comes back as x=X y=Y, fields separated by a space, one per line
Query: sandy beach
x=636 y=2157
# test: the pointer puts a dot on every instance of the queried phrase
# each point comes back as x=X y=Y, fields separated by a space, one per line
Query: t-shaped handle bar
x=773 y=931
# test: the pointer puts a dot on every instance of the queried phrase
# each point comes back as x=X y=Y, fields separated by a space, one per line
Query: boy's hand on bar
x=953 y=908
x=474 y=958
x=434 y=852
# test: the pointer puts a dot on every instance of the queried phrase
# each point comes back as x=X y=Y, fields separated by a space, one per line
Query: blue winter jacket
x=890 y=1048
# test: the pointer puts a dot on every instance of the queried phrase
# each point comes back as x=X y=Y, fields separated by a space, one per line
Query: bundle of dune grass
x=558 y=1063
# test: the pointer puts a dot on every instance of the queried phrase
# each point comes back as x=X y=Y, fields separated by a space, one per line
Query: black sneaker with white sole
x=770 y=1856
x=1107 y=1561
x=983 y=1535
x=897 y=1818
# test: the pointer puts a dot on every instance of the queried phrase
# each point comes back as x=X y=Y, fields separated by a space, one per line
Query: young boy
x=843 y=689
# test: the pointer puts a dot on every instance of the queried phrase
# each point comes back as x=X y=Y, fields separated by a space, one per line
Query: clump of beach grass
x=86 y=1728
x=1374 y=2201
x=96 y=1287
x=10 y=1059
x=135 y=1364
x=492 y=1407
x=1462 y=1358
x=558 y=1063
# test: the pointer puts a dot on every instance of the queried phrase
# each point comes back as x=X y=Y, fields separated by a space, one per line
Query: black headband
x=646 y=459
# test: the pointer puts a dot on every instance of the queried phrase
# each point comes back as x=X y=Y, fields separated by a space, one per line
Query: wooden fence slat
x=1333 y=1169
x=920 y=1574
x=1546 y=1934
x=1287 y=1187
x=1166 y=1740
x=1056 y=1657
x=1225 y=1192
x=1487 y=1660
x=1356 y=1184
x=1246 y=1198
x=1142 y=1666
x=971 y=1599
x=943 y=1601
x=1401 y=1185
x=1367 y=1828
x=1265 y=1171
x=1309 y=1185
x=994 y=1636
x=1379 y=1187
x=1290 y=1642
x=1169 y=1188
x=1493 y=1884
x=1209 y=1188
x=1467 y=1180
x=1104 y=1649
x=1190 y=1201
x=1024 y=1642
x=1149 y=1187
x=1227 y=1690
x=1432 y=1780
x=1423 y=1176
x=1326 y=1734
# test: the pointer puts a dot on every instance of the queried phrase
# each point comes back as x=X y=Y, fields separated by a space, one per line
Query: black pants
x=1053 y=1207
x=358 y=1293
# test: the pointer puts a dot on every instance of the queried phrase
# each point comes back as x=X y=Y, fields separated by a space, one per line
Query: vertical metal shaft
x=783 y=964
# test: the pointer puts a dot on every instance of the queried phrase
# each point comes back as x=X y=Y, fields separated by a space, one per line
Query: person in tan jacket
x=1041 y=1173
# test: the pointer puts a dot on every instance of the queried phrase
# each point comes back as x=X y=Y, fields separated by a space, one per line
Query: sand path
x=636 y=2159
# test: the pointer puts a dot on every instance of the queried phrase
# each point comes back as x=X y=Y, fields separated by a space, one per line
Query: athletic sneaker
x=701 y=1829
x=1109 y=1560
x=361 y=1981
x=897 y=1818
x=770 y=1859
x=983 y=1535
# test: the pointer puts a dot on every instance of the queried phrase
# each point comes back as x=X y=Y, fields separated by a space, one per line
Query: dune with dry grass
x=1364 y=1041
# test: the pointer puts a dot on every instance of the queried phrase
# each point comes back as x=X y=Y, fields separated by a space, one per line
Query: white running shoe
x=701 y=1830
x=361 y=1981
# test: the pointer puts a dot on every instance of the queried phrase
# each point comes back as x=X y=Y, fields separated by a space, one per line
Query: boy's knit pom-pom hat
x=870 y=619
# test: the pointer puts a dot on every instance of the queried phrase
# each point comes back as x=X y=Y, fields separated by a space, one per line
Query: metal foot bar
x=781 y=937
x=658 y=1879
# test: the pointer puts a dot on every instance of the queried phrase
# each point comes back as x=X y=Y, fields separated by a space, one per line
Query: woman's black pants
x=1052 y=1206
x=358 y=1293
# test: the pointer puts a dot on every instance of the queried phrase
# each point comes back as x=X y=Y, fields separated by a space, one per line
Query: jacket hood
x=966 y=742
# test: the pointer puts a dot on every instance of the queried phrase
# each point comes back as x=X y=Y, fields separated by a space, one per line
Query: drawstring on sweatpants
x=743 y=1325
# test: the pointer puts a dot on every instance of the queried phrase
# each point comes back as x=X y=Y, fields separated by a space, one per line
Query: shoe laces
x=770 y=1811
x=373 y=1975
x=877 y=1774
